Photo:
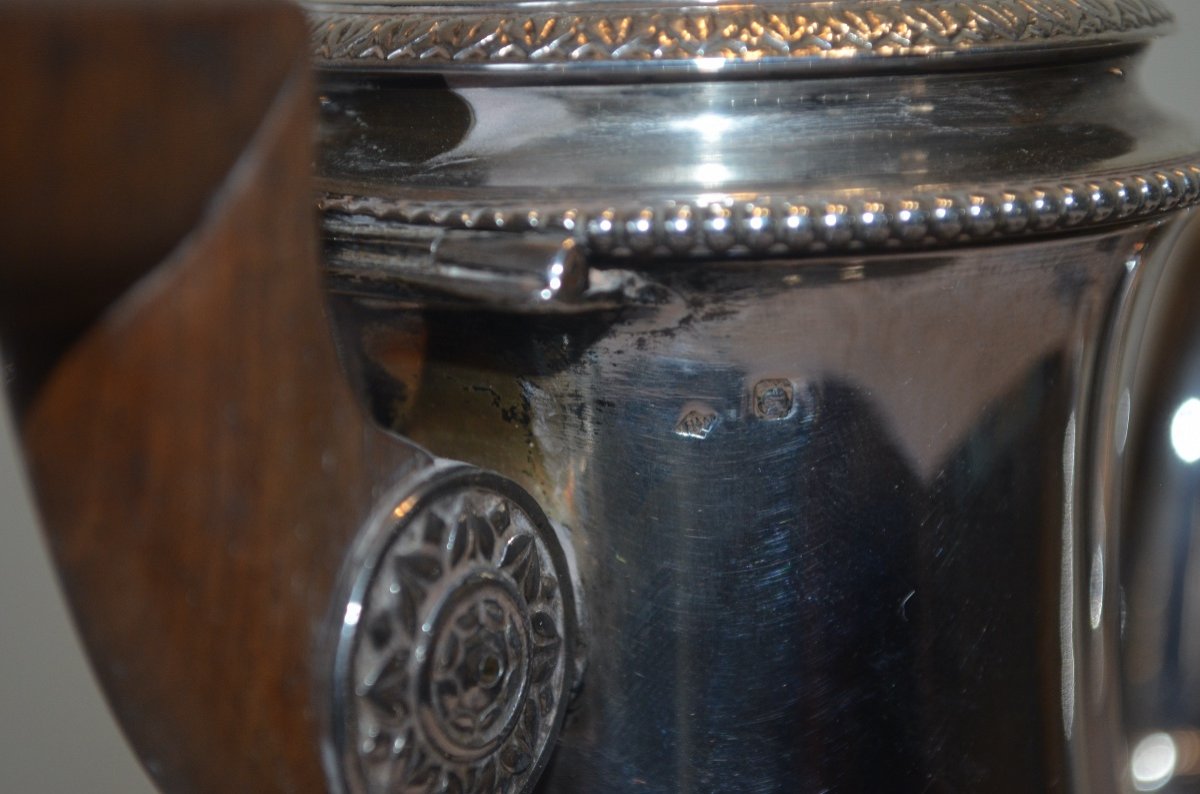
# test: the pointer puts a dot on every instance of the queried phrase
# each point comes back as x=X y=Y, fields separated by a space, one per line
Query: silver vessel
x=822 y=380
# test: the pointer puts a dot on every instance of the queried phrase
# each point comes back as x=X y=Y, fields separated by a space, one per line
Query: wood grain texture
x=120 y=120
x=199 y=464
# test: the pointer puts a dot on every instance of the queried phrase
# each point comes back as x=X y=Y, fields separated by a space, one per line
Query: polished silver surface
x=457 y=648
x=761 y=168
x=839 y=457
x=1151 y=440
x=823 y=511
x=515 y=38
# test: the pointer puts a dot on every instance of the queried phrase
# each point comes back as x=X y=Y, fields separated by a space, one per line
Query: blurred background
x=56 y=734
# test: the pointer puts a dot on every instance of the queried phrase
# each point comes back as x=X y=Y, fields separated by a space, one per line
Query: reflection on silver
x=707 y=175
x=1185 y=431
x=769 y=474
x=709 y=126
x=836 y=438
x=1066 y=604
x=1122 y=421
x=1096 y=589
x=894 y=162
x=1153 y=762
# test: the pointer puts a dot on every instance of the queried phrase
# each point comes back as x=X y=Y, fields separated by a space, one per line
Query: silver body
x=914 y=559
x=880 y=500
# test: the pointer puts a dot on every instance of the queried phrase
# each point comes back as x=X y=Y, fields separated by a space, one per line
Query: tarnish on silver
x=530 y=35
x=457 y=650
x=731 y=225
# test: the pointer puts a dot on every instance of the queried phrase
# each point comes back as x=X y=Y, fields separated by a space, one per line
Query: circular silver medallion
x=456 y=652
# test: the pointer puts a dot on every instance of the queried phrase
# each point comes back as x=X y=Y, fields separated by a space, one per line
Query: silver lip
x=732 y=225
x=512 y=38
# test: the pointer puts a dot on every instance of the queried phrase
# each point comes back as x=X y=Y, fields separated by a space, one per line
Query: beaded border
x=524 y=35
x=732 y=225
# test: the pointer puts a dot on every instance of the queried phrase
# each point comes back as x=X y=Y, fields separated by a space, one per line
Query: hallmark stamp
x=773 y=398
x=696 y=423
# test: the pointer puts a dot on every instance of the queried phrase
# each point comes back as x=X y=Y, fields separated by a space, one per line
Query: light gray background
x=56 y=734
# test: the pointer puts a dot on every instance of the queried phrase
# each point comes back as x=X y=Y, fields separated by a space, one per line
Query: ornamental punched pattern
x=459 y=661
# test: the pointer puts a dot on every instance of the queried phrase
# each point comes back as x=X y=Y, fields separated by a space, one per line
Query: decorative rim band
x=709 y=37
x=752 y=225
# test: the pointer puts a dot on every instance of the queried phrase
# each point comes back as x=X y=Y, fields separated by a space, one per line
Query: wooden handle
x=199 y=464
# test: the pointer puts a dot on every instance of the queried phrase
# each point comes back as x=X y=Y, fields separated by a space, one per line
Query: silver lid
x=806 y=35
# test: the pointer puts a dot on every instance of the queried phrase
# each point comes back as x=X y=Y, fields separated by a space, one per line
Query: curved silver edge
x=733 y=225
x=704 y=38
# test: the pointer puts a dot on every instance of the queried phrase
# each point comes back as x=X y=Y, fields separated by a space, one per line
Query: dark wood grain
x=199 y=464
x=120 y=120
